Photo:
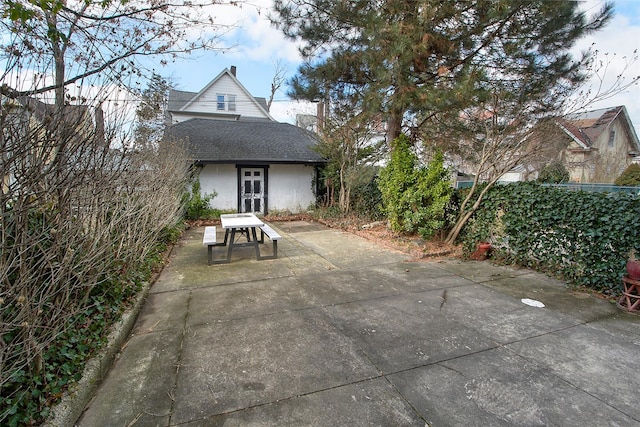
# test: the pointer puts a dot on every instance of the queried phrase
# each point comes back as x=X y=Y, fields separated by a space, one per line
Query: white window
x=226 y=102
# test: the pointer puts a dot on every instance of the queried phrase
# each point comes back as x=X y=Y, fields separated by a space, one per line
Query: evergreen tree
x=409 y=61
x=150 y=113
x=630 y=176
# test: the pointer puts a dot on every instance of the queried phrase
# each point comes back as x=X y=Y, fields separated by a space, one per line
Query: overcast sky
x=259 y=46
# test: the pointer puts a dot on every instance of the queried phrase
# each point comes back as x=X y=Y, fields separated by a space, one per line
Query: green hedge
x=582 y=238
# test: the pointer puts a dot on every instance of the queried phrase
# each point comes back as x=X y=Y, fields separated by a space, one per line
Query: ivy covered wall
x=582 y=238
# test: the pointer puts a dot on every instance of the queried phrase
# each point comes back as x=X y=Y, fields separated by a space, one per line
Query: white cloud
x=253 y=36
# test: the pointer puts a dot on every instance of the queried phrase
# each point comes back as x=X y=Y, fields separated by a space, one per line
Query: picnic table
x=238 y=225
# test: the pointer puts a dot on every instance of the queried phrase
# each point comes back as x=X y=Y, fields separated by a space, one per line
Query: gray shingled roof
x=225 y=141
x=178 y=99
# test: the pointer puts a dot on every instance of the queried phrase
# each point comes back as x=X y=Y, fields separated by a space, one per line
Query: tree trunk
x=394 y=127
x=465 y=215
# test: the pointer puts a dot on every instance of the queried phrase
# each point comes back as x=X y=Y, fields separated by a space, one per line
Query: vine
x=582 y=238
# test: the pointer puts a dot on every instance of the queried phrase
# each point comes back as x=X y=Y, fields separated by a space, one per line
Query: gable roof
x=181 y=100
x=222 y=141
x=585 y=128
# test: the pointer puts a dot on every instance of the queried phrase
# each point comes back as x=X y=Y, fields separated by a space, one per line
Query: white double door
x=252 y=191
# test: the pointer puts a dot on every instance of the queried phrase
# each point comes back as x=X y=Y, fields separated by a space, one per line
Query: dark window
x=221 y=102
x=612 y=137
x=256 y=187
x=247 y=187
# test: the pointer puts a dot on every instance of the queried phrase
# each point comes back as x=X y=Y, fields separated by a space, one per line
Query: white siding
x=290 y=188
x=207 y=102
x=223 y=179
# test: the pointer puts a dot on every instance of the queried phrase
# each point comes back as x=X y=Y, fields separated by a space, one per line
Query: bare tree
x=279 y=78
x=352 y=146
x=80 y=209
x=515 y=125
x=63 y=43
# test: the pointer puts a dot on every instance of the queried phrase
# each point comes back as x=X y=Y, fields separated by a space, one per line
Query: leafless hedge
x=76 y=213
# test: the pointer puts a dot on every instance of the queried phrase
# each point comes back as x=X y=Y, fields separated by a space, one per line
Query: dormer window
x=226 y=102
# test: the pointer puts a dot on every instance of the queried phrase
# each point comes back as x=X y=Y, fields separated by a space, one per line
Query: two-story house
x=252 y=162
x=602 y=143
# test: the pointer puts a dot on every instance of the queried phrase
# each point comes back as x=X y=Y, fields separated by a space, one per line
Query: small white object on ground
x=532 y=302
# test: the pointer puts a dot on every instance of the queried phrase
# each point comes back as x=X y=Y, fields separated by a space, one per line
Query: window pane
x=247 y=187
x=256 y=187
x=256 y=205
x=247 y=173
x=232 y=102
x=256 y=173
x=247 y=205
x=221 y=102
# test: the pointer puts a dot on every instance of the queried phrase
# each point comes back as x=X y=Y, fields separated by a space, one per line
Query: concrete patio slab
x=371 y=402
x=592 y=359
x=500 y=388
x=340 y=331
x=402 y=332
x=141 y=392
x=246 y=362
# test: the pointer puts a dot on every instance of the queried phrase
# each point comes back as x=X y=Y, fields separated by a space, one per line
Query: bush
x=414 y=198
x=554 y=173
x=366 y=201
x=79 y=239
x=630 y=176
x=582 y=238
x=197 y=205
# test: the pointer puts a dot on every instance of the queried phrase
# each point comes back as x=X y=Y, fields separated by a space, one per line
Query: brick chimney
x=233 y=70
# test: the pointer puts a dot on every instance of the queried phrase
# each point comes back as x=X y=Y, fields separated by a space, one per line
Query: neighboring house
x=252 y=162
x=33 y=133
x=595 y=147
x=601 y=144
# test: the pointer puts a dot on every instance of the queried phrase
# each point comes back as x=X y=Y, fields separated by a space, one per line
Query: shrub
x=554 y=173
x=366 y=200
x=79 y=239
x=198 y=205
x=395 y=179
x=414 y=198
x=630 y=176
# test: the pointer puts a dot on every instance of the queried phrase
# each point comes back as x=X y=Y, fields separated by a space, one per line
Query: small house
x=250 y=161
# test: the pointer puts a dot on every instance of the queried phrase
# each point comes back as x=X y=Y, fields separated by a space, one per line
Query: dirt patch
x=419 y=249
